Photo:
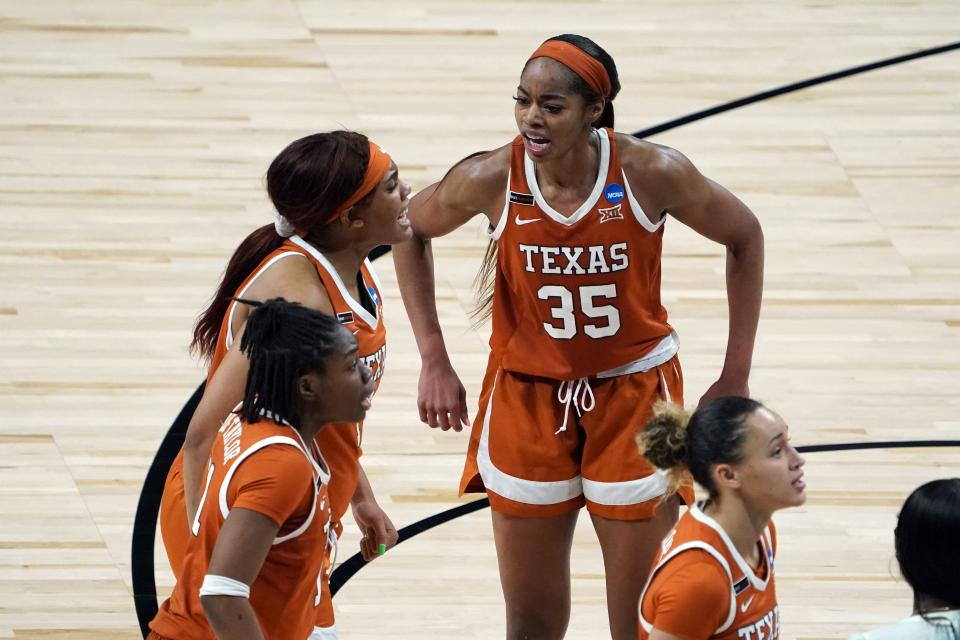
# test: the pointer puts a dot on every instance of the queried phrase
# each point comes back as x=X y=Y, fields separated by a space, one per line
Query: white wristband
x=221 y=586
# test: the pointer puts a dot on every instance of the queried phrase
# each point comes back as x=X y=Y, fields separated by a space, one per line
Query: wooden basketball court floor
x=133 y=141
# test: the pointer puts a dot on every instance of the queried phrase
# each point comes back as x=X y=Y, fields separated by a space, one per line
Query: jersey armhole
x=638 y=212
x=233 y=304
x=495 y=232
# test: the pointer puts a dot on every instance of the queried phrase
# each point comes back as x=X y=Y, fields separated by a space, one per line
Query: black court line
x=148 y=507
x=349 y=567
x=790 y=88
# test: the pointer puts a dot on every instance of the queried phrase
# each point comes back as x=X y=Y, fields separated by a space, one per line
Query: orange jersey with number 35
x=580 y=294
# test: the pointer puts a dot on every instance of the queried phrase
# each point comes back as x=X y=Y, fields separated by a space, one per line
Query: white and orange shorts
x=541 y=447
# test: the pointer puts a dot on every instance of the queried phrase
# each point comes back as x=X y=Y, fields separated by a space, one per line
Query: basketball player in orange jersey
x=581 y=346
x=337 y=196
x=714 y=575
x=262 y=533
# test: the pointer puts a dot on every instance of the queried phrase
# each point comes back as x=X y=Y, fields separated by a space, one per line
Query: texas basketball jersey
x=580 y=294
x=365 y=323
x=340 y=442
x=752 y=612
x=268 y=468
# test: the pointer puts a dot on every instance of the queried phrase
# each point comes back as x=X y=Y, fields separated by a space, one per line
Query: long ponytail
x=251 y=252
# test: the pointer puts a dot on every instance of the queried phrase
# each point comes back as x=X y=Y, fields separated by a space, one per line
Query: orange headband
x=581 y=63
x=377 y=167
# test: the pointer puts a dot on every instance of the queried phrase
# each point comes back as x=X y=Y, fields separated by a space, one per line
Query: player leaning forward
x=581 y=347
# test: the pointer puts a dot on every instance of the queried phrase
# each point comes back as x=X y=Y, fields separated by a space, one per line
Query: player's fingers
x=443 y=421
x=464 y=417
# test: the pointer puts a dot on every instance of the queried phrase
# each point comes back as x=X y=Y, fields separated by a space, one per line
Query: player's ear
x=594 y=110
x=308 y=387
x=725 y=475
x=350 y=218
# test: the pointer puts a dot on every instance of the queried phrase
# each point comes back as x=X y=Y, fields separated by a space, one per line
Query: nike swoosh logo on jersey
x=746 y=605
x=520 y=222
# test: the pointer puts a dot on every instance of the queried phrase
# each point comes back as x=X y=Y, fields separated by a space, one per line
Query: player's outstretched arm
x=471 y=187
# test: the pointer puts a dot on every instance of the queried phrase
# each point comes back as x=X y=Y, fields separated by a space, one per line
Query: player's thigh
x=534 y=559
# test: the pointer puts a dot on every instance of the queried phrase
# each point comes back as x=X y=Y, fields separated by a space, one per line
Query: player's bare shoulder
x=659 y=172
x=295 y=279
x=480 y=179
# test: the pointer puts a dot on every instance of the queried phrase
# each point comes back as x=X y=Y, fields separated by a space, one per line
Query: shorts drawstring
x=580 y=394
x=663 y=384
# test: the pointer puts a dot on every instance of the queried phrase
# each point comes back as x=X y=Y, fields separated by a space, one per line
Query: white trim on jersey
x=638 y=212
x=627 y=492
x=376 y=281
x=587 y=206
x=357 y=308
x=502 y=222
x=324 y=633
x=260 y=272
x=261 y=444
x=757 y=583
x=518 y=489
x=694 y=544
x=660 y=354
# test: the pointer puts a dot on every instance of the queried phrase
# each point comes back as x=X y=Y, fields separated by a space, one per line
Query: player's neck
x=743 y=526
x=577 y=169
x=311 y=422
x=346 y=257
x=927 y=604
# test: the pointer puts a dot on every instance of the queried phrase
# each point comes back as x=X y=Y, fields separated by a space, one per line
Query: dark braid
x=283 y=340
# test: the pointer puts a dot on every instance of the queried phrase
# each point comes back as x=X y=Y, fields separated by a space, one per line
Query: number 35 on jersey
x=595 y=301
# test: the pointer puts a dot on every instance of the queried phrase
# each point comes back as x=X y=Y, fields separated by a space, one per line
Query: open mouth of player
x=402 y=219
x=536 y=144
x=799 y=484
x=367 y=402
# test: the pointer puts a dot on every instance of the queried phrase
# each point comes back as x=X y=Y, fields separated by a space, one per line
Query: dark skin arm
x=241 y=548
x=474 y=186
x=665 y=181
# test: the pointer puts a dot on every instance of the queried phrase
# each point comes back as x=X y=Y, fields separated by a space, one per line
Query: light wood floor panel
x=133 y=142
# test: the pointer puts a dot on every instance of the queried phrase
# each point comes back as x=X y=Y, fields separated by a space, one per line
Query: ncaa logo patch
x=611 y=213
x=613 y=193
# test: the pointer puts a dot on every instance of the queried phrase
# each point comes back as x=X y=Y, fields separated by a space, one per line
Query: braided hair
x=283 y=341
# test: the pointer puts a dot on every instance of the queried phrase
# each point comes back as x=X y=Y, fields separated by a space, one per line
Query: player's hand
x=725 y=386
x=441 y=398
x=376 y=526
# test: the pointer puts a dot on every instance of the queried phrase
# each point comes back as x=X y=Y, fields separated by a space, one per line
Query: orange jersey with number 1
x=268 y=468
x=580 y=294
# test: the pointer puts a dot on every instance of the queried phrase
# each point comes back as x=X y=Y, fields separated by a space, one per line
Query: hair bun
x=664 y=438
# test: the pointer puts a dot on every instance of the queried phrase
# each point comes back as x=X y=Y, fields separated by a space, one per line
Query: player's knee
x=544 y=623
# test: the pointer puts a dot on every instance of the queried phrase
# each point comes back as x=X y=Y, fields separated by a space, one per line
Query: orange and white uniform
x=340 y=442
x=265 y=467
x=580 y=351
x=701 y=587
